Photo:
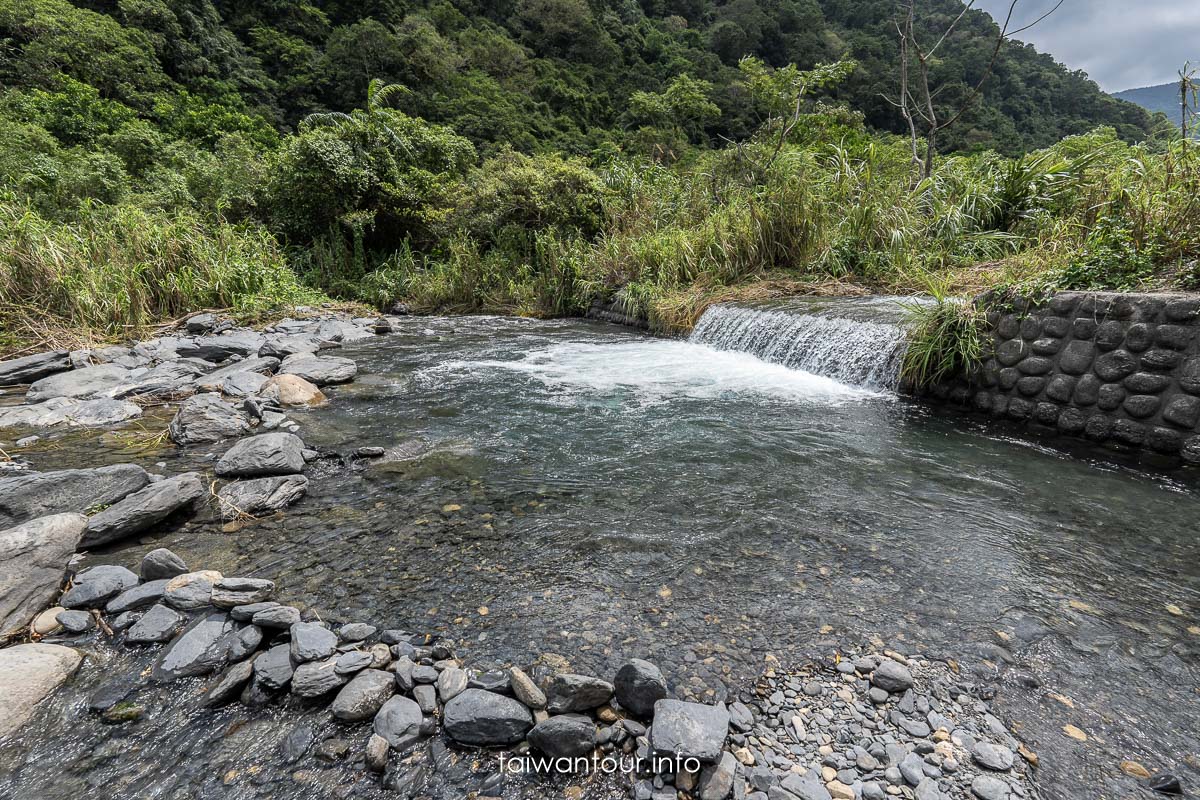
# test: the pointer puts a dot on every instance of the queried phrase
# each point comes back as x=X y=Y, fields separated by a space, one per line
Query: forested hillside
x=521 y=155
x=1163 y=98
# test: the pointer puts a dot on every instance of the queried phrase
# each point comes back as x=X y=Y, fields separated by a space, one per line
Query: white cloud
x=1121 y=44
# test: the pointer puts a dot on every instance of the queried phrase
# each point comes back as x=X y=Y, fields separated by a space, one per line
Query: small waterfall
x=836 y=340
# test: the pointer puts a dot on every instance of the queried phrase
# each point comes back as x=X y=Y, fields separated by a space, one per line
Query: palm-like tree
x=371 y=122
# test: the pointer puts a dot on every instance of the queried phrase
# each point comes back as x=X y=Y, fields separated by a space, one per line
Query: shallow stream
x=591 y=493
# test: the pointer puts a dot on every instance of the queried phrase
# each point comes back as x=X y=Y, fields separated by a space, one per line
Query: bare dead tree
x=917 y=99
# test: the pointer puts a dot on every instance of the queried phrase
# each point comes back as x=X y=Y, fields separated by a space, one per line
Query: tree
x=922 y=108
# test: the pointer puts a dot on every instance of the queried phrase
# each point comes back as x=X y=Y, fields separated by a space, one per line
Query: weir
x=860 y=342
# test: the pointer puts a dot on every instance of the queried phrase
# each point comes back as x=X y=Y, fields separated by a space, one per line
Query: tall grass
x=946 y=337
x=118 y=269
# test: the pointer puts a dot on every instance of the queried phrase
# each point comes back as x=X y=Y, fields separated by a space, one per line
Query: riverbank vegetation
x=535 y=157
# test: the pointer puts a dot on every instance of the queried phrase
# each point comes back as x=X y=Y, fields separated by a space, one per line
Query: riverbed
x=572 y=493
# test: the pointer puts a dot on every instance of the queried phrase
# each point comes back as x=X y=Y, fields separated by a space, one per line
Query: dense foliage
x=533 y=155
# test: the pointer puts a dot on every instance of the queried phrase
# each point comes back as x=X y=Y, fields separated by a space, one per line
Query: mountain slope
x=1164 y=98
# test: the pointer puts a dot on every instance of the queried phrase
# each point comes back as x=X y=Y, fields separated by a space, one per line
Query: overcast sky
x=1121 y=44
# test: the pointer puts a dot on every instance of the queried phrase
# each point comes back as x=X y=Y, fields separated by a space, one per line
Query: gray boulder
x=69 y=411
x=689 y=730
x=316 y=678
x=229 y=685
x=161 y=563
x=265 y=454
x=320 y=370
x=143 y=509
x=716 y=780
x=243 y=384
x=451 y=683
x=364 y=696
x=261 y=495
x=398 y=722
x=311 y=642
x=25 y=497
x=484 y=718
x=28 y=369
x=257 y=365
x=29 y=673
x=32 y=567
x=273 y=669
x=222 y=347
x=75 y=621
x=78 y=383
x=568 y=692
x=231 y=592
x=638 y=686
x=564 y=736
x=191 y=590
x=207 y=418
x=276 y=617
x=892 y=676
x=167 y=381
x=95 y=586
x=159 y=624
x=196 y=651
x=283 y=346
x=144 y=594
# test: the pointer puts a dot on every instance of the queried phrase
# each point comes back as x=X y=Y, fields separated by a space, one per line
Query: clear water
x=620 y=495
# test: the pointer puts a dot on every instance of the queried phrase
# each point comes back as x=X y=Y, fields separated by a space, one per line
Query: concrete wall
x=1121 y=370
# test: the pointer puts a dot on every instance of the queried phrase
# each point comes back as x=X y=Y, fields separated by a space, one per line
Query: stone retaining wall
x=1122 y=370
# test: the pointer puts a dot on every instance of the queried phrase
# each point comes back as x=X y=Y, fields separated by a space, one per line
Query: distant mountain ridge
x=1164 y=98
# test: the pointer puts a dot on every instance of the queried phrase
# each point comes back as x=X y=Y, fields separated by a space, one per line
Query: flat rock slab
x=321 y=370
x=68 y=411
x=205 y=418
x=265 y=454
x=28 y=674
x=256 y=365
x=173 y=379
x=78 y=383
x=261 y=495
x=222 y=347
x=95 y=586
x=28 y=369
x=26 y=497
x=689 y=730
x=34 y=562
x=143 y=509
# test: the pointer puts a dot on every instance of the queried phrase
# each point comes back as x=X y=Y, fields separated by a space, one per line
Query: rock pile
x=871 y=727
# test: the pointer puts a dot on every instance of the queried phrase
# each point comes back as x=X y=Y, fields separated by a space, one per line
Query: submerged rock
x=32 y=566
x=28 y=674
x=485 y=718
x=261 y=495
x=28 y=369
x=143 y=509
x=265 y=454
x=25 y=497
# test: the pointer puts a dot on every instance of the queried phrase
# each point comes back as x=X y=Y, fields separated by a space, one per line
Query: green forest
x=531 y=156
